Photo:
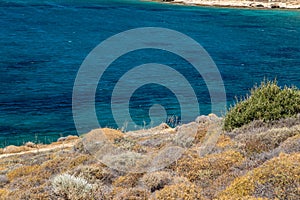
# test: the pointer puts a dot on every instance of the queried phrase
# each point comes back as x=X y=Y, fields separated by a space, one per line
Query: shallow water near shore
x=43 y=43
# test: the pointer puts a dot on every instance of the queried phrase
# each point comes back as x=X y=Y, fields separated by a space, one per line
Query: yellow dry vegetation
x=21 y=171
x=136 y=193
x=281 y=174
x=3 y=193
x=224 y=141
x=112 y=134
x=127 y=181
x=209 y=167
x=179 y=191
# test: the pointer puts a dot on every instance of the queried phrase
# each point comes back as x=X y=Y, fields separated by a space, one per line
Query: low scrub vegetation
x=179 y=191
x=276 y=179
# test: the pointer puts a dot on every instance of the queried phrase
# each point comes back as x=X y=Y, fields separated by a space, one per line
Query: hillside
x=257 y=161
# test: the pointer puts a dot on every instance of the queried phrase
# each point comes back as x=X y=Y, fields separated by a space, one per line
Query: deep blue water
x=43 y=43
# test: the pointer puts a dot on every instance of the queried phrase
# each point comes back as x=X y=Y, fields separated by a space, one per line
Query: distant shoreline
x=262 y=4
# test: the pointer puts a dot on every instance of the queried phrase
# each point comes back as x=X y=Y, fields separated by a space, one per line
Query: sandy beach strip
x=264 y=4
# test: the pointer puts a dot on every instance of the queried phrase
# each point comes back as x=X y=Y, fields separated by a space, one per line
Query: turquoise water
x=43 y=43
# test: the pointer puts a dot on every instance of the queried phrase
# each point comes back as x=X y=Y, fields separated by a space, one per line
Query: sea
x=43 y=44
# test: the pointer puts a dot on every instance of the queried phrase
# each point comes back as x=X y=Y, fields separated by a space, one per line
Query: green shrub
x=267 y=102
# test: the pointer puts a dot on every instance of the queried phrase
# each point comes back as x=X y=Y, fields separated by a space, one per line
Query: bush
x=266 y=141
x=71 y=187
x=3 y=193
x=15 y=149
x=268 y=102
x=224 y=141
x=21 y=171
x=127 y=181
x=156 y=180
x=93 y=173
x=3 y=180
x=131 y=194
x=277 y=178
x=291 y=145
x=179 y=191
x=206 y=169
